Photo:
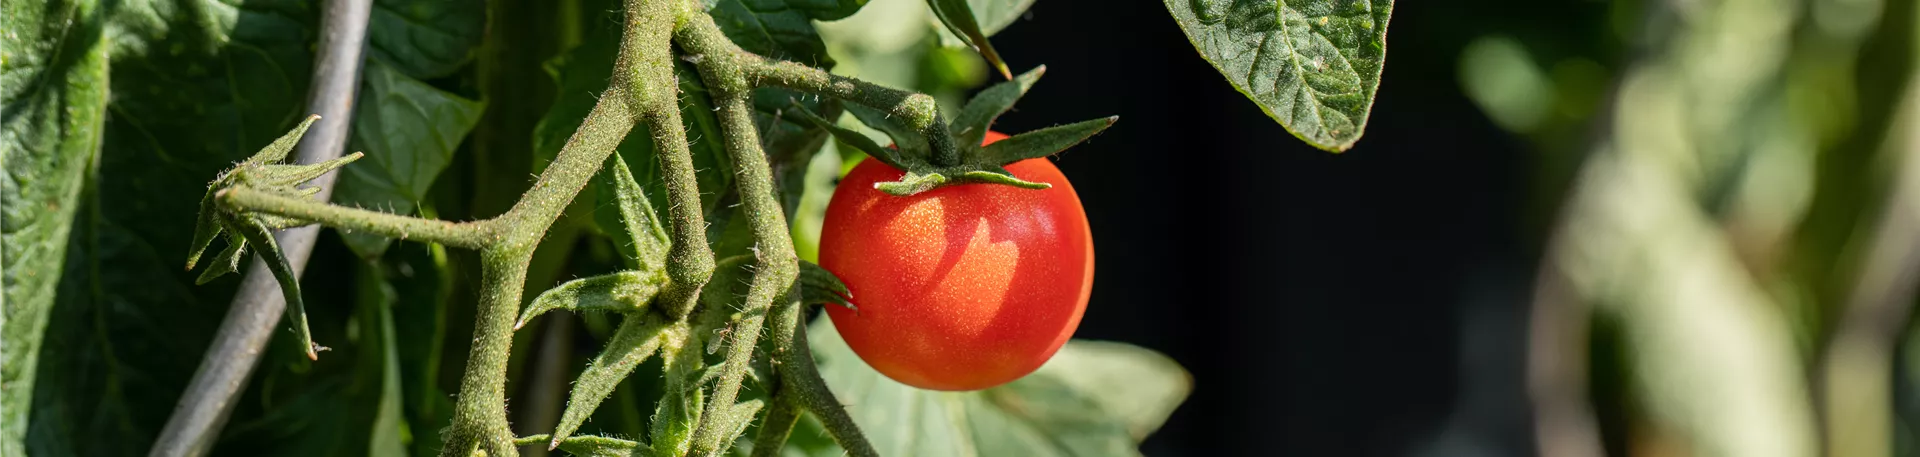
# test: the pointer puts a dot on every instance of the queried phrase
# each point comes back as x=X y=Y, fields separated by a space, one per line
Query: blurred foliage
x=1739 y=157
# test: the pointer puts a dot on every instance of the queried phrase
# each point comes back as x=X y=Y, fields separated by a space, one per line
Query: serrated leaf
x=1313 y=65
x=409 y=131
x=623 y=292
x=426 y=39
x=53 y=83
x=959 y=19
x=781 y=29
x=1043 y=142
x=590 y=446
x=628 y=216
x=637 y=339
x=1092 y=398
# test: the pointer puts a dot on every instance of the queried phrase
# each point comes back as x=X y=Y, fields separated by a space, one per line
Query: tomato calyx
x=970 y=162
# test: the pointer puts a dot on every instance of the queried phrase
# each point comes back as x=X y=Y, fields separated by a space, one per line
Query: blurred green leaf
x=960 y=20
x=191 y=97
x=1092 y=399
x=53 y=82
x=409 y=131
x=996 y=15
x=426 y=39
x=1313 y=65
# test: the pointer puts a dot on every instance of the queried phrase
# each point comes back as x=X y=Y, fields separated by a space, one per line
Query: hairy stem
x=782 y=413
x=802 y=379
x=470 y=235
x=480 y=415
x=776 y=266
x=918 y=110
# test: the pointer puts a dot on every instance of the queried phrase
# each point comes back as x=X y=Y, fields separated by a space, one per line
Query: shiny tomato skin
x=963 y=287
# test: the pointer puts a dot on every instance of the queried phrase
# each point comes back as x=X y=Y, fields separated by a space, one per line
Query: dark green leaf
x=860 y=141
x=426 y=38
x=1092 y=398
x=1044 y=142
x=959 y=18
x=409 y=131
x=1313 y=65
x=781 y=29
x=996 y=15
x=197 y=85
x=53 y=83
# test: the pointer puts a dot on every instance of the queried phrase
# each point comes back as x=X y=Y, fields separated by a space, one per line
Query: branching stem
x=645 y=89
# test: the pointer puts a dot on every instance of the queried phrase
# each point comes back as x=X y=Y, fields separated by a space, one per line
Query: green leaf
x=638 y=338
x=817 y=285
x=53 y=83
x=409 y=131
x=197 y=85
x=959 y=19
x=1313 y=65
x=1092 y=398
x=264 y=244
x=996 y=15
x=781 y=29
x=590 y=446
x=623 y=292
x=426 y=39
x=627 y=215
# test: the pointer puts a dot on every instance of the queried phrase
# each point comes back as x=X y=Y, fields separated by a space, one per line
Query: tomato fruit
x=963 y=287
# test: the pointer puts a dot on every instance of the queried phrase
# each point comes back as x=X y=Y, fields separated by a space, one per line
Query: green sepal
x=228 y=261
x=289 y=175
x=817 y=285
x=890 y=156
x=590 y=445
x=278 y=150
x=1043 y=142
x=998 y=175
x=912 y=183
x=912 y=144
x=206 y=226
x=623 y=292
x=971 y=125
x=958 y=17
x=269 y=249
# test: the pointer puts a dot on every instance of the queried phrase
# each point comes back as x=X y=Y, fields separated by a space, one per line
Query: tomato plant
x=963 y=287
x=669 y=144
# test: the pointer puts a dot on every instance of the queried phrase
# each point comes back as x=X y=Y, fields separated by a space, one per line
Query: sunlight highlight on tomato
x=963 y=287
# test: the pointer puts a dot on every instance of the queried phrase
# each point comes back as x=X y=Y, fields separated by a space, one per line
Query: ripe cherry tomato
x=962 y=287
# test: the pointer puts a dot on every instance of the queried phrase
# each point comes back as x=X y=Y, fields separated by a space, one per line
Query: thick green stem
x=782 y=413
x=802 y=379
x=480 y=415
x=470 y=235
x=917 y=110
x=776 y=266
x=648 y=62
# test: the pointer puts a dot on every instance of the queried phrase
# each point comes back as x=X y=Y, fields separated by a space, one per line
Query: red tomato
x=963 y=287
